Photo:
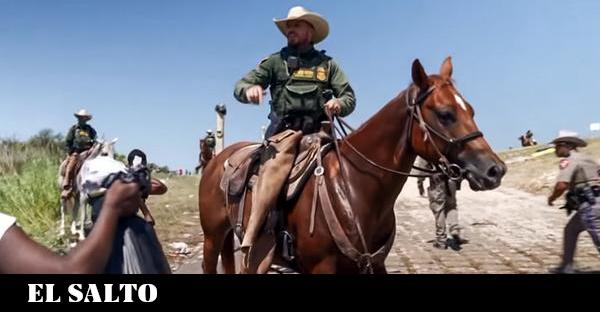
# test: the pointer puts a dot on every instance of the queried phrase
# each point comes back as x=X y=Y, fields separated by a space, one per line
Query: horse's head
x=446 y=129
x=108 y=149
x=103 y=148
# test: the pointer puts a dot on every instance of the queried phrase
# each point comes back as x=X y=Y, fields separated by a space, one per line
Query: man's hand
x=124 y=197
x=333 y=107
x=157 y=187
x=255 y=94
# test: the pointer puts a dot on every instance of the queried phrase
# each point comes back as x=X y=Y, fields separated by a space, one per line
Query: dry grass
x=538 y=175
x=176 y=214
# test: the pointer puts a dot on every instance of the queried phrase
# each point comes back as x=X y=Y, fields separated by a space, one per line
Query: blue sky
x=151 y=72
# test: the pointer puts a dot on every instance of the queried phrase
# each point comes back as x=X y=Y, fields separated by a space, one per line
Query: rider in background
x=80 y=138
x=529 y=136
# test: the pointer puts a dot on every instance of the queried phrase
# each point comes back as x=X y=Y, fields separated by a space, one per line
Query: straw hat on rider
x=569 y=137
x=83 y=114
x=317 y=21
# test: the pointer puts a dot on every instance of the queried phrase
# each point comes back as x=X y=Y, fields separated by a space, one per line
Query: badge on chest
x=315 y=73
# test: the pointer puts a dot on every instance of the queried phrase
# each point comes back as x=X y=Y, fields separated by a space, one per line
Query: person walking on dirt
x=580 y=175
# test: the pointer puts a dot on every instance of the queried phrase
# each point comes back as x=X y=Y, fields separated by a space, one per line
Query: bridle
x=366 y=259
x=450 y=170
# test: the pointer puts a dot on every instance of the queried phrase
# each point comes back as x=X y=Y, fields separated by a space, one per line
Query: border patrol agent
x=442 y=202
x=579 y=174
x=210 y=140
x=80 y=138
x=305 y=85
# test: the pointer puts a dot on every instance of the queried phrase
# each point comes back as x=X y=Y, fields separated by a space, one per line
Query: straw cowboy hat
x=570 y=137
x=299 y=13
x=83 y=114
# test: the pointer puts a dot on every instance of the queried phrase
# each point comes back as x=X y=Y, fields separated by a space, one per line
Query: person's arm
x=567 y=169
x=559 y=189
x=93 y=134
x=69 y=139
x=342 y=89
x=19 y=254
x=157 y=187
x=260 y=76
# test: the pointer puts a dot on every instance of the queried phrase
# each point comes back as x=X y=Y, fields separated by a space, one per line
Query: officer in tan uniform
x=299 y=77
x=580 y=175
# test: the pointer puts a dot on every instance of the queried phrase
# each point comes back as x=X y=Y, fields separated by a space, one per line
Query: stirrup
x=287 y=246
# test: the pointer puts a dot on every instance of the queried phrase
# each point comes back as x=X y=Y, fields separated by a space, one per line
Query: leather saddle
x=241 y=168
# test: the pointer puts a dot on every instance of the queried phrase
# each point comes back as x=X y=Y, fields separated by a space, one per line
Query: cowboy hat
x=317 y=21
x=83 y=114
x=569 y=137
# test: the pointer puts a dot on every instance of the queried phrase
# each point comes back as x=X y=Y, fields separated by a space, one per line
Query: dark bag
x=136 y=249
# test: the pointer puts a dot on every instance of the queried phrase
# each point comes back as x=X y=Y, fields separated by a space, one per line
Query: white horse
x=77 y=202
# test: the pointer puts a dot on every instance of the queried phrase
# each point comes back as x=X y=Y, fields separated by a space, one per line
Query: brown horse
x=430 y=119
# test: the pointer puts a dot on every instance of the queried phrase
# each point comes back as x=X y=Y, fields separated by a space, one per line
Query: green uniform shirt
x=80 y=138
x=578 y=169
x=299 y=91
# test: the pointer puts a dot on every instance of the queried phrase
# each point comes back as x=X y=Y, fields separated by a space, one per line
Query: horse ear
x=419 y=76
x=446 y=69
x=114 y=141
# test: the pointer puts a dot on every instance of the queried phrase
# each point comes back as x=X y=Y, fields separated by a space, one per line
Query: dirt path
x=509 y=231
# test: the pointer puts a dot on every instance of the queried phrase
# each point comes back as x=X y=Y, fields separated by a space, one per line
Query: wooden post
x=220 y=133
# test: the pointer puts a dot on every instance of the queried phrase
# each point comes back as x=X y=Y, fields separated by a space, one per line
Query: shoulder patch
x=563 y=164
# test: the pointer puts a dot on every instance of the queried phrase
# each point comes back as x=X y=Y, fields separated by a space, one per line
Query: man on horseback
x=210 y=140
x=299 y=78
x=527 y=139
x=80 y=138
x=207 y=149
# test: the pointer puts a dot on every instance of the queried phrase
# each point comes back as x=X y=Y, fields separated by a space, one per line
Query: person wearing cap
x=305 y=85
x=80 y=138
x=579 y=174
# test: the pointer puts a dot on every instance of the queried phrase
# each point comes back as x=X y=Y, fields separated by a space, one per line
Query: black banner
x=239 y=290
